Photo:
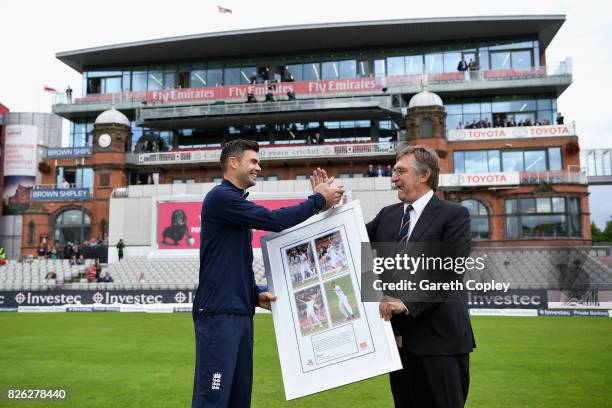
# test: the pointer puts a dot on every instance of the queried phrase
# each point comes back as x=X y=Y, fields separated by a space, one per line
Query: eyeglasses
x=398 y=171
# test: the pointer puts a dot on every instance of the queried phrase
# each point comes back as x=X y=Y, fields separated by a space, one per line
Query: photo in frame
x=326 y=336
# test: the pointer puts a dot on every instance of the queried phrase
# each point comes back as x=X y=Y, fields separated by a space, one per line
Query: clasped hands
x=322 y=184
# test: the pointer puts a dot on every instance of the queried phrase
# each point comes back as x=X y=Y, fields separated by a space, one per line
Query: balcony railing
x=314 y=89
x=554 y=177
x=269 y=153
x=162 y=112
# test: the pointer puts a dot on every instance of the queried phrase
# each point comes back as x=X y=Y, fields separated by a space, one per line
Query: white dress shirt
x=417 y=209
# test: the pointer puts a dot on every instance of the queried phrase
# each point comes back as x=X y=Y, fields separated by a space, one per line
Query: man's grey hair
x=426 y=159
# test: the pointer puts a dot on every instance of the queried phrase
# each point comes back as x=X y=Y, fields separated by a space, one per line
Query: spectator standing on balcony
x=42 y=252
x=120 y=247
x=318 y=139
x=379 y=171
x=388 y=171
x=462 y=66
x=371 y=172
x=69 y=94
x=560 y=118
x=473 y=68
x=270 y=94
x=251 y=98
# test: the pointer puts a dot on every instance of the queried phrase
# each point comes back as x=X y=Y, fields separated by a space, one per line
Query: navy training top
x=227 y=283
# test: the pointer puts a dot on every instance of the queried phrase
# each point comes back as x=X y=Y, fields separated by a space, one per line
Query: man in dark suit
x=434 y=338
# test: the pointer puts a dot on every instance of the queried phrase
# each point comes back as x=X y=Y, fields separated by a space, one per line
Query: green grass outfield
x=146 y=360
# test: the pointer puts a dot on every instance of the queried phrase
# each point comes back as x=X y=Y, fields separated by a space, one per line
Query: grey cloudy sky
x=32 y=32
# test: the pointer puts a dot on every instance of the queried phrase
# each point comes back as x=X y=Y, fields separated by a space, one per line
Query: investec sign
x=479 y=179
x=520 y=132
x=124 y=297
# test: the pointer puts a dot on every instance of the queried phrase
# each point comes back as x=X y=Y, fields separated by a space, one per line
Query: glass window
x=500 y=60
x=311 y=72
x=452 y=121
x=494 y=161
x=459 y=162
x=512 y=229
x=512 y=161
x=476 y=162
x=395 y=66
x=363 y=69
x=453 y=108
x=111 y=85
x=198 y=79
x=528 y=205
x=451 y=60
x=295 y=71
x=558 y=204
x=379 y=68
x=214 y=77
x=543 y=217
x=471 y=108
x=72 y=225
x=479 y=216
x=543 y=205
x=231 y=76
x=544 y=104
x=483 y=58
x=535 y=160
x=126 y=84
x=426 y=128
x=544 y=226
x=554 y=158
x=414 y=64
x=329 y=70
x=169 y=80
x=511 y=207
x=521 y=59
x=434 y=63
x=247 y=75
x=155 y=80
x=139 y=81
x=348 y=69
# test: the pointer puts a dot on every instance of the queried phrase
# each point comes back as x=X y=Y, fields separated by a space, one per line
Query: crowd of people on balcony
x=500 y=121
x=379 y=171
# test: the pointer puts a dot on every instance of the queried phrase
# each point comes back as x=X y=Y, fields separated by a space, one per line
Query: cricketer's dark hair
x=236 y=148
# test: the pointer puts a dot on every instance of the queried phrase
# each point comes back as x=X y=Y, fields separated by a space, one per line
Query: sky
x=32 y=32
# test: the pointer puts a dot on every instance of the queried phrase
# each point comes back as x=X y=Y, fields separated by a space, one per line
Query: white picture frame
x=326 y=336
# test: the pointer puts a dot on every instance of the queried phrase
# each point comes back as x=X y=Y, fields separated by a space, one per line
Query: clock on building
x=104 y=140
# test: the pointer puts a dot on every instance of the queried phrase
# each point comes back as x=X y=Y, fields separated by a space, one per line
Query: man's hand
x=388 y=308
x=322 y=184
x=264 y=300
x=318 y=176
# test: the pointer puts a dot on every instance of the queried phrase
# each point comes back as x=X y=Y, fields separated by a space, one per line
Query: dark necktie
x=405 y=227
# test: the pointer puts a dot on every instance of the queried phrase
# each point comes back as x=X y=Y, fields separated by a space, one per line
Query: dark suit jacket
x=441 y=328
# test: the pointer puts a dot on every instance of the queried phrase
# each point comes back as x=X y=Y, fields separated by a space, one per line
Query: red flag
x=223 y=10
x=47 y=88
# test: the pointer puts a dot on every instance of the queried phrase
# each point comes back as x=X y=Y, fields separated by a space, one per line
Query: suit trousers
x=431 y=381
